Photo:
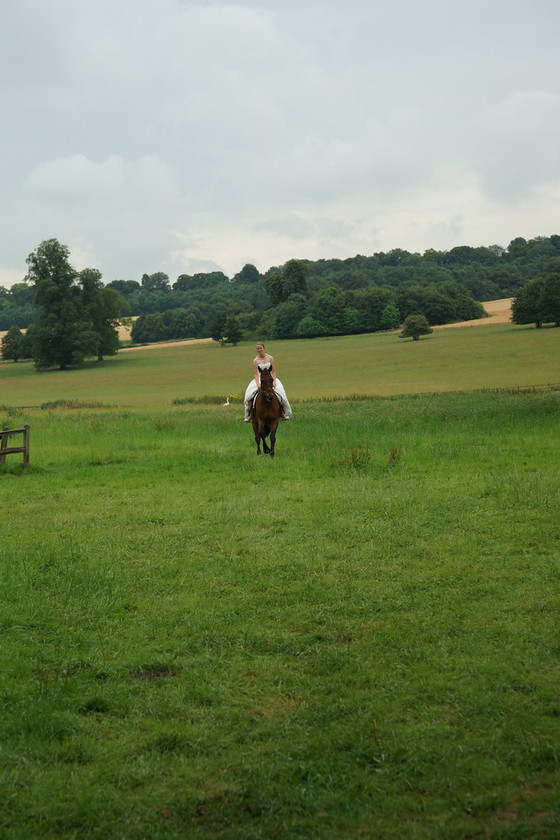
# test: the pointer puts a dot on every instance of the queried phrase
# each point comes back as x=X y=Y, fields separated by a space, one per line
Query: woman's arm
x=273 y=371
x=256 y=373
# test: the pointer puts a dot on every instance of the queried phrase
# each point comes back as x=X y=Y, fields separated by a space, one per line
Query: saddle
x=253 y=401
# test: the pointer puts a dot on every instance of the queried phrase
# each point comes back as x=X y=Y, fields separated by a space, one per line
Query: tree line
x=304 y=299
x=72 y=315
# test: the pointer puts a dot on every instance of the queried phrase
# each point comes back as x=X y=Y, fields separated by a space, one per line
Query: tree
x=550 y=299
x=437 y=308
x=13 y=344
x=63 y=334
x=187 y=323
x=104 y=307
x=217 y=325
x=232 y=330
x=159 y=281
x=351 y=320
x=248 y=274
x=390 y=317
x=280 y=285
x=146 y=328
x=294 y=278
x=526 y=307
x=517 y=248
x=287 y=316
x=414 y=326
x=27 y=343
x=309 y=327
x=328 y=308
x=201 y=280
x=273 y=286
x=371 y=304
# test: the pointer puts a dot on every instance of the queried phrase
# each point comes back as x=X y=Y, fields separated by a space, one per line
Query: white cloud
x=110 y=184
x=162 y=136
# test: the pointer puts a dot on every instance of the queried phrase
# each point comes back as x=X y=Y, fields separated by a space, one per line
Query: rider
x=263 y=358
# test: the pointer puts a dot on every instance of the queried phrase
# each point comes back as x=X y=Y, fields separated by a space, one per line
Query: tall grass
x=357 y=639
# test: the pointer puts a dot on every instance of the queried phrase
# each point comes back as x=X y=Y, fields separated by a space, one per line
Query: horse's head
x=266 y=382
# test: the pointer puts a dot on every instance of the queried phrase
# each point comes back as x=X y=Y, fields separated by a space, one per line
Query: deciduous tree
x=104 y=307
x=414 y=326
x=232 y=330
x=526 y=307
x=63 y=334
x=550 y=299
x=12 y=345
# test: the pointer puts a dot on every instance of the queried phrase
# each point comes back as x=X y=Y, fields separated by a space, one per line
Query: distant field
x=499 y=312
x=378 y=364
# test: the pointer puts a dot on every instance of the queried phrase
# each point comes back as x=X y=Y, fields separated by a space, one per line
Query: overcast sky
x=183 y=136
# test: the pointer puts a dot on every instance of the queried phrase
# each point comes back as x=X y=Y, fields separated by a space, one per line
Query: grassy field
x=356 y=640
x=500 y=356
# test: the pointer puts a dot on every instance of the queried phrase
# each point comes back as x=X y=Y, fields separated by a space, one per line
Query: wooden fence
x=6 y=433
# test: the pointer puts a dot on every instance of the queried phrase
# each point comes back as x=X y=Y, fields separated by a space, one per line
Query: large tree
x=104 y=307
x=63 y=334
x=232 y=330
x=526 y=308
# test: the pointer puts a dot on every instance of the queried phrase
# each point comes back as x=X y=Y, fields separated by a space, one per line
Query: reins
x=268 y=395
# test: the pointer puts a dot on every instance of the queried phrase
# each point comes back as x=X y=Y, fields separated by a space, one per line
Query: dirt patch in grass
x=163 y=344
x=499 y=312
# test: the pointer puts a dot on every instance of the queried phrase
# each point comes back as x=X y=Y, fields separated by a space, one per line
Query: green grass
x=358 y=639
x=500 y=356
x=201 y=643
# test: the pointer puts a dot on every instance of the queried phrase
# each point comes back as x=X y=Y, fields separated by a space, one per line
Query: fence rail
x=5 y=434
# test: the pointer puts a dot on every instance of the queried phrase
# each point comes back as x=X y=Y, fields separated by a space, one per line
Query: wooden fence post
x=26 y=446
x=13 y=450
x=3 y=444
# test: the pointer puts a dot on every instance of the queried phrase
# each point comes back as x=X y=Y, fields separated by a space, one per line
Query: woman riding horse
x=263 y=358
x=266 y=412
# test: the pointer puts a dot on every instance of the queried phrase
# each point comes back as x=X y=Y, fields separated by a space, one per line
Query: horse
x=266 y=414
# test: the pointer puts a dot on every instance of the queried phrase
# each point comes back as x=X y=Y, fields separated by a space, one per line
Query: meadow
x=375 y=365
x=358 y=639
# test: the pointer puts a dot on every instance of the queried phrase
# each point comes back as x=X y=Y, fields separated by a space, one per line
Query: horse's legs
x=273 y=428
x=263 y=431
x=256 y=430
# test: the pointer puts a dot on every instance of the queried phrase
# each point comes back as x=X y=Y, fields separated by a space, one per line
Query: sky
x=184 y=137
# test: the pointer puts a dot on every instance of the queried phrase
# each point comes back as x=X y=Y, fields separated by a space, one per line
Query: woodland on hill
x=305 y=298
x=302 y=298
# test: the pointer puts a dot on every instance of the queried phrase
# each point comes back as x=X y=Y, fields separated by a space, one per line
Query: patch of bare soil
x=499 y=312
x=163 y=344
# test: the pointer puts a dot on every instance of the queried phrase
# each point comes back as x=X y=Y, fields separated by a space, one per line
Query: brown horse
x=266 y=414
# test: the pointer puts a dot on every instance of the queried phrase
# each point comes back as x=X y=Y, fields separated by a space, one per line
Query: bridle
x=268 y=395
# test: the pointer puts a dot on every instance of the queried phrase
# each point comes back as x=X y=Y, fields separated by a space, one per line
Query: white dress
x=278 y=390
